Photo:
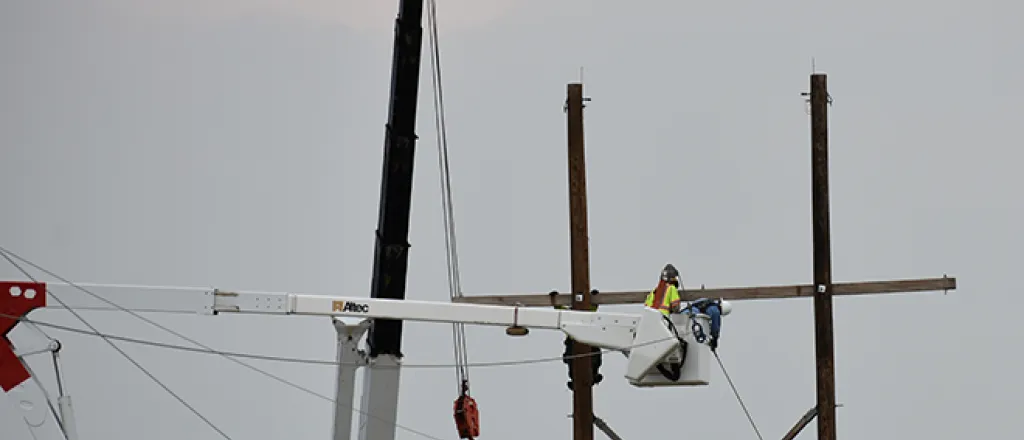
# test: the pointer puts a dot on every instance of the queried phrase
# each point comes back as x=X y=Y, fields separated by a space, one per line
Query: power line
x=736 y=393
x=7 y=257
x=7 y=254
x=280 y=358
x=296 y=359
x=508 y=363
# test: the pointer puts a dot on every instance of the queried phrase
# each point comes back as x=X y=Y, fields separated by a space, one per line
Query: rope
x=738 y=398
x=447 y=206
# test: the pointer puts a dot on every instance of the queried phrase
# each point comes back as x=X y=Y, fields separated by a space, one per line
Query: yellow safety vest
x=669 y=299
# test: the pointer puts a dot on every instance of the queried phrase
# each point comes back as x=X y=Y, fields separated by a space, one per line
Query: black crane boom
x=391 y=252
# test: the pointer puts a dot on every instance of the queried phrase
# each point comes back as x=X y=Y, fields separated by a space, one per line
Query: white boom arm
x=661 y=351
x=646 y=338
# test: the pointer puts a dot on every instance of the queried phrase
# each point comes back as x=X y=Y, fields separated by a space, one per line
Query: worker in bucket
x=715 y=309
x=567 y=356
x=665 y=297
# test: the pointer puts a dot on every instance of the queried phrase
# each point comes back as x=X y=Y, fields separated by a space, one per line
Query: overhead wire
x=738 y=398
x=7 y=254
x=447 y=205
x=508 y=363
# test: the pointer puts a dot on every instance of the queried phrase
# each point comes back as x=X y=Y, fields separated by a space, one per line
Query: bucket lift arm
x=650 y=341
x=646 y=338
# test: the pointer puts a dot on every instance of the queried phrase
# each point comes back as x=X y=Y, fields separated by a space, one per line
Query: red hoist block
x=16 y=300
x=467 y=418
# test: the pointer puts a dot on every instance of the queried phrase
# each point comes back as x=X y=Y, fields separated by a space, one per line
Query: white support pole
x=67 y=417
x=350 y=358
x=380 y=398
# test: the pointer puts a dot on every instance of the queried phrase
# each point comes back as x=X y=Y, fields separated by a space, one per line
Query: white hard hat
x=726 y=307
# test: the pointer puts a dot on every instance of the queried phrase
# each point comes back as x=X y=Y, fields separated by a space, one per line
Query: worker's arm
x=675 y=302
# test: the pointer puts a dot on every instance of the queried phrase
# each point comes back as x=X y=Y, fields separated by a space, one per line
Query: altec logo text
x=349 y=306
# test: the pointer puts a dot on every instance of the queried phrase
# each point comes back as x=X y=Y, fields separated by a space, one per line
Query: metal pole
x=350 y=359
x=583 y=415
x=823 y=335
x=391 y=246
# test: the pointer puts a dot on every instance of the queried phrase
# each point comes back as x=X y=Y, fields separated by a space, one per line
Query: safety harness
x=675 y=369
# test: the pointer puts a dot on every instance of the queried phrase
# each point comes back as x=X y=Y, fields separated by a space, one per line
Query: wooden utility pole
x=583 y=413
x=823 y=336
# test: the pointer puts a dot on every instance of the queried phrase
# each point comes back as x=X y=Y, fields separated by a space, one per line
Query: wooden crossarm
x=730 y=293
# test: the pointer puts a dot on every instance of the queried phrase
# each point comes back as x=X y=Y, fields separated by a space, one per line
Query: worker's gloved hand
x=713 y=343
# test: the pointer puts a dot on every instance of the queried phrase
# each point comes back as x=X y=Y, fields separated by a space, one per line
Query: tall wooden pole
x=583 y=412
x=823 y=336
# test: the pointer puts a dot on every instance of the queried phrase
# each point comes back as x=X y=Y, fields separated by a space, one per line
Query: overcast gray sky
x=238 y=144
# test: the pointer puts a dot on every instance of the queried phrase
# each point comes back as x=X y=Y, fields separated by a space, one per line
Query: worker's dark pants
x=595 y=358
x=713 y=312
